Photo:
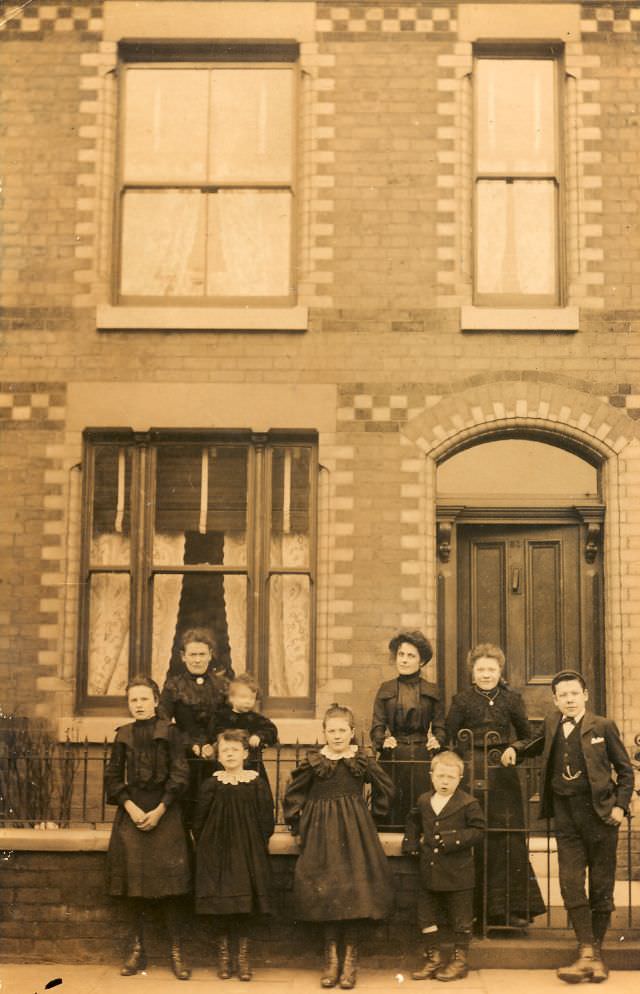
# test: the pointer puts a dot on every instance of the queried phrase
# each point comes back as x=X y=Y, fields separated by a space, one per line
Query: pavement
x=33 y=979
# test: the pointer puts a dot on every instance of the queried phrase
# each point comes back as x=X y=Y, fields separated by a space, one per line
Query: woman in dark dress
x=148 y=857
x=490 y=709
x=232 y=825
x=342 y=875
x=191 y=698
x=408 y=723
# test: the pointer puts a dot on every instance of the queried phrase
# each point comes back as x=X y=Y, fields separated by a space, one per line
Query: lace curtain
x=109 y=613
x=289 y=618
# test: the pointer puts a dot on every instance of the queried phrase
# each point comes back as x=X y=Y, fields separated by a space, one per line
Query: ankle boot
x=224 y=957
x=331 y=968
x=456 y=968
x=244 y=967
x=136 y=958
x=581 y=969
x=180 y=968
x=349 y=966
x=432 y=962
x=600 y=970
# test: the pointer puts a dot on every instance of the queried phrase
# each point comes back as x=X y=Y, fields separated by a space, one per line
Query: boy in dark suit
x=442 y=828
x=578 y=790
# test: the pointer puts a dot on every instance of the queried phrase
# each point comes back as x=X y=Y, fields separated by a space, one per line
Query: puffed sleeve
x=378 y=722
x=455 y=720
x=412 y=832
x=383 y=790
x=519 y=720
x=206 y=796
x=177 y=782
x=295 y=795
x=115 y=785
x=265 y=808
x=266 y=729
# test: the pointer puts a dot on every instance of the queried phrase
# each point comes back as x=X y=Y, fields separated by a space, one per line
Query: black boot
x=581 y=969
x=173 y=913
x=456 y=968
x=331 y=963
x=136 y=957
x=224 y=956
x=350 y=962
x=180 y=968
x=599 y=969
x=244 y=967
x=431 y=964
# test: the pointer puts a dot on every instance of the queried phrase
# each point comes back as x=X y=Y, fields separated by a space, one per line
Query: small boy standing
x=442 y=829
x=579 y=750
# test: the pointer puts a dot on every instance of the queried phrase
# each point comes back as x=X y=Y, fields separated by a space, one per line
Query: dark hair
x=142 y=680
x=244 y=680
x=487 y=649
x=234 y=735
x=204 y=635
x=339 y=711
x=565 y=675
x=415 y=638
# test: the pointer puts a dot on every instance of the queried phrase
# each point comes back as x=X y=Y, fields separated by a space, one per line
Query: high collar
x=411 y=678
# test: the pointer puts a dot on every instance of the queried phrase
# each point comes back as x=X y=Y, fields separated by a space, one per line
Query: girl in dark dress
x=408 y=723
x=232 y=825
x=148 y=856
x=191 y=698
x=490 y=706
x=239 y=712
x=342 y=876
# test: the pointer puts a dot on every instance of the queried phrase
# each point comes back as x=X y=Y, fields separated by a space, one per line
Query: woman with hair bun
x=408 y=722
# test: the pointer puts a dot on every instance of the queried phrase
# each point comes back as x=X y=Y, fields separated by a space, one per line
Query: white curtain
x=168 y=550
x=109 y=619
x=289 y=618
x=235 y=600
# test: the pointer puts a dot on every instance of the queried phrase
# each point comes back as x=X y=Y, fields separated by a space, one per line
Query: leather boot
x=432 y=962
x=581 y=969
x=136 y=957
x=180 y=968
x=224 y=956
x=331 y=968
x=349 y=966
x=456 y=968
x=244 y=967
x=600 y=970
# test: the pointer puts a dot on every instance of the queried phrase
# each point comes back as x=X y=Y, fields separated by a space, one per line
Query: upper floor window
x=185 y=530
x=517 y=178
x=206 y=174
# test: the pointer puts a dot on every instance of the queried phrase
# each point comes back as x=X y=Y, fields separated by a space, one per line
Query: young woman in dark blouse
x=490 y=710
x=148 y=857
x=408 y=722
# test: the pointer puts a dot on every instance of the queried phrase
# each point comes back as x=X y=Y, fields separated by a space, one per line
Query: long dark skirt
x=512 y=888
x=408 y=766
x=148 y=864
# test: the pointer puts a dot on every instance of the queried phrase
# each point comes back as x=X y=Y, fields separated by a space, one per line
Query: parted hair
x=417 y=639
x=234 y=735
x=142 y=680
x=204 y=635
x=488 y=650
x=339 y=711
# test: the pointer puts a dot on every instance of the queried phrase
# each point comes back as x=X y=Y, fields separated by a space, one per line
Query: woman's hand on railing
x=254 y=741
x=616 y=815
x=432 y=743
x=390 y=742
x=508 y=757
x=206 y=751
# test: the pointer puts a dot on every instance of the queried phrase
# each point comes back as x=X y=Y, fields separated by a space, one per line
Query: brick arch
x=507 y=404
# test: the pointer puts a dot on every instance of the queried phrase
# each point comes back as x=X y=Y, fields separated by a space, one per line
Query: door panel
x=521 y=586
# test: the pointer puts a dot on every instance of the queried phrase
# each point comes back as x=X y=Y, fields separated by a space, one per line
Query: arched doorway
x=520 y=520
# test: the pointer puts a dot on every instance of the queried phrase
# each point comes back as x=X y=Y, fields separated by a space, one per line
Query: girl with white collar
x=342 y=875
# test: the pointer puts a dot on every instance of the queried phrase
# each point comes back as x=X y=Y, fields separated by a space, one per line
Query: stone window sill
x=562 y=319
x=96 y=729
x=110 y=318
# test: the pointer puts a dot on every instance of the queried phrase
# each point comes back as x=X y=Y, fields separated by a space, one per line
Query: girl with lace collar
x=232 y=824
x=342 y=876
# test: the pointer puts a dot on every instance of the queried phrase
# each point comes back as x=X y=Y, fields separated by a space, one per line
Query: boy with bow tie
x=578 y=790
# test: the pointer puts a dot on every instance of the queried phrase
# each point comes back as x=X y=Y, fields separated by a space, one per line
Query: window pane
x=515 y=116
x=109 y=600
x=163 y=243
x=249 y=243
x=111 y=506
x=165 y=125
x=251 y=124
x=201 y=505
x=199 y=600
x=516 y=237
x=290 y=505
x=289 y=635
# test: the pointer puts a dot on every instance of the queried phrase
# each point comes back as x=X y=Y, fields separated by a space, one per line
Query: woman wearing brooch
x=408 y=722
x=489 y=709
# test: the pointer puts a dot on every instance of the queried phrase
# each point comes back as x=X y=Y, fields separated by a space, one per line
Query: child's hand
x=151 y=818
x=390 y=742
x=508 y=757
x=195 y=749
x=254 y=741
x=135 y=813
x=206 y=751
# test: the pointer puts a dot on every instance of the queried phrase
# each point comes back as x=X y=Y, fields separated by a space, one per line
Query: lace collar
x=328 y=753
x=242 y=776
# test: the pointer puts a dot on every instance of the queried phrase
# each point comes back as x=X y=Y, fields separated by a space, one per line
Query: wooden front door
x=529 y=589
